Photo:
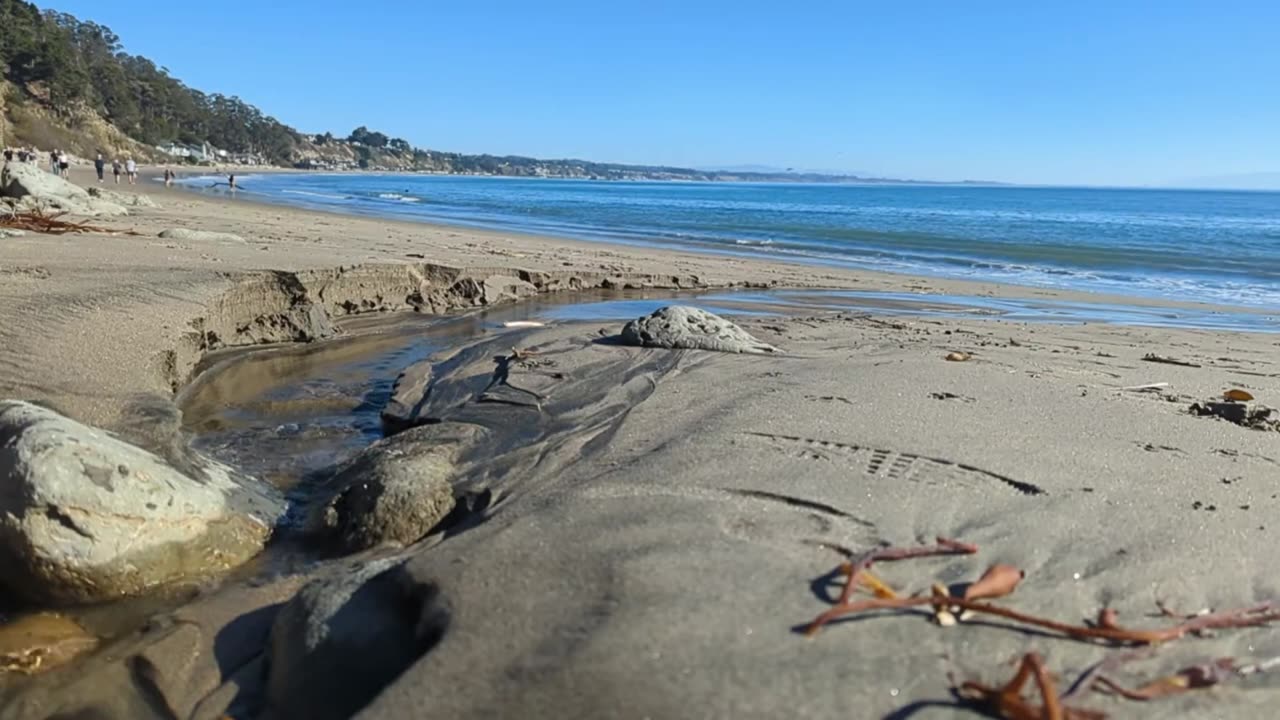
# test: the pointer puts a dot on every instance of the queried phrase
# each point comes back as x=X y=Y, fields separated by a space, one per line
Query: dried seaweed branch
x=853 y=570
x=1007 y=701
x=1253 y=616
x=38 y=221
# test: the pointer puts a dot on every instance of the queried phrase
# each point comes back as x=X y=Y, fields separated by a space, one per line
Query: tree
x=365 y=136
x=81 y=65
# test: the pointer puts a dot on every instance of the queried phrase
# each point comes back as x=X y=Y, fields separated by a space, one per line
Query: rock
x=343 y=638
x=407 y=395
x=397 y=490
x=35 y=188
x=119 y=198
x=680 y=326
x=6 y=233
x=1255 y=416
x=85 y=516
x=199 y=235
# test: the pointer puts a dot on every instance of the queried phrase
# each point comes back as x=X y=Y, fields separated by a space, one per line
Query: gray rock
x=395 y=491
x=85 y=516
x=680 y=326
x=407 y=396
x=199 y=235
x=36 y=188
x=6 y=233
x=343 y=638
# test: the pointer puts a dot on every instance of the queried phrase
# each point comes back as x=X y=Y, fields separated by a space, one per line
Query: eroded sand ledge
x=644 y=542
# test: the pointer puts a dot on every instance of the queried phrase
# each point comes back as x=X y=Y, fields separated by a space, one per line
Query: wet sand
x=655 y=534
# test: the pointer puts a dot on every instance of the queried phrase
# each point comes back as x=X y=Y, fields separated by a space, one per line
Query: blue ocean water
x=1210 y=246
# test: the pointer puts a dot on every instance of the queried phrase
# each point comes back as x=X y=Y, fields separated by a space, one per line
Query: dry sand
x=654 y=536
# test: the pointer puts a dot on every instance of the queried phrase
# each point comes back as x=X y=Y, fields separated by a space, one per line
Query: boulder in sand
x=199 y=235
x=683 y=327
x=343 y=638
x=34 y=188
x=396 y=491
x=85 y=516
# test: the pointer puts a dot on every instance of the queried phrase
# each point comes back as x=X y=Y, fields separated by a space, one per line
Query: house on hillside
x=204 y=152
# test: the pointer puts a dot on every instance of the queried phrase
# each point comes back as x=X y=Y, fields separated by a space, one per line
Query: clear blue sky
x=1053 y=92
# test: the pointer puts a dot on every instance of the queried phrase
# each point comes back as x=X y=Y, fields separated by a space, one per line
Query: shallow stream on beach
x=288 y=413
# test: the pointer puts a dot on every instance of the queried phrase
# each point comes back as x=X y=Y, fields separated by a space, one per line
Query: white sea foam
x=398 y=197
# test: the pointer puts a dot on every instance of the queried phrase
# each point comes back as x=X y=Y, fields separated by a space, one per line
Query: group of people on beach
x=128 y=168
x=24 y=155
x=60 y=164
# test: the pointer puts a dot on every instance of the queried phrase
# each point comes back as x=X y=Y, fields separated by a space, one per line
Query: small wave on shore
x=399 y=198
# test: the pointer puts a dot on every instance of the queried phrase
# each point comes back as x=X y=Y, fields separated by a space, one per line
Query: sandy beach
x=648 y=538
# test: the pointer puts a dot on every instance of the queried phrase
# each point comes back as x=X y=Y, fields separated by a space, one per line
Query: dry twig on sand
x=1152 y=357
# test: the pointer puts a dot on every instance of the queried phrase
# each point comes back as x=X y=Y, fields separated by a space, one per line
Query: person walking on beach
x=231 y=181
x=131 y=167
x=101 y=166
x=116 y=169
x=63 y=164
x=168 y=177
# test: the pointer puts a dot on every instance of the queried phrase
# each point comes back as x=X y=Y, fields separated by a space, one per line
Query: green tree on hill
x=74 y=64
x=367 y=137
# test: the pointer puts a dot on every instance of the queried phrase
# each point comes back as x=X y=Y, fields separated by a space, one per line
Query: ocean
x=1219 y=247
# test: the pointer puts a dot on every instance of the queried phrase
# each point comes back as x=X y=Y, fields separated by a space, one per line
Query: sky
x=1100 y=93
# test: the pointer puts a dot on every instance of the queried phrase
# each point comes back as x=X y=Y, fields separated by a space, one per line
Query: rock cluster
x=32 y=188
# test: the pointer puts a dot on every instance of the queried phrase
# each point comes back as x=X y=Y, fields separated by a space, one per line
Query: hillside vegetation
x=70 y=84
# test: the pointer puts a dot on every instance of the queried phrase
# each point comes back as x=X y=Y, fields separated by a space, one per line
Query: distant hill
x=69 y=84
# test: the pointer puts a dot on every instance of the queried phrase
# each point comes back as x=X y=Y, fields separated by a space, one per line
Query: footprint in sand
x=891 y=463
